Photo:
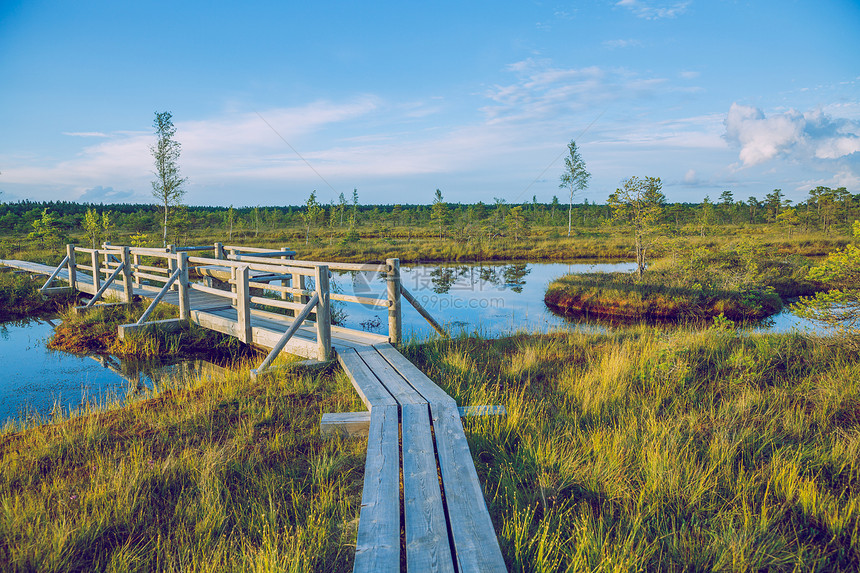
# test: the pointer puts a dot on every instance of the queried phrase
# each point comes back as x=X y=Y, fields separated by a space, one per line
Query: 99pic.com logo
x=370 y=284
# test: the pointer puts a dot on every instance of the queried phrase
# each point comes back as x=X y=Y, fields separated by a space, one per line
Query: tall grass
x=204 y=474
x=664 y=450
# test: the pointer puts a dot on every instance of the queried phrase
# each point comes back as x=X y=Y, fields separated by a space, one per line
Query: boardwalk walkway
x=422 y=502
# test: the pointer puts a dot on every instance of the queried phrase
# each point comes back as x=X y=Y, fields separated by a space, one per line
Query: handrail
x=55 y=273
x=159 y=296
x=294 y=327
x=372 y=267
x=105 y=286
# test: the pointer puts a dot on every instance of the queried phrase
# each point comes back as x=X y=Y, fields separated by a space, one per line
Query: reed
x=201 y=474
x=651 y=449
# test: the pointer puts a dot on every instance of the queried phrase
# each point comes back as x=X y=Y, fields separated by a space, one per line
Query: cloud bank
x=800 y=136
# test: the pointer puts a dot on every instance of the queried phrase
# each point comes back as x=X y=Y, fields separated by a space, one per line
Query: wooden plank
x=371 y=392
x=377 y=544
x=474 y=538
x=417 y=379
x=388 y=377
x=427 y=546
x=343 y=266
x=346 y=424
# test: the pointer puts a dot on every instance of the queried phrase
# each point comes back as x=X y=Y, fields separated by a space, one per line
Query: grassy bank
x=664 y=451
x=96 y=332
x=638 y=450
x=203 y=475
x=739 y=282
x=20 y=297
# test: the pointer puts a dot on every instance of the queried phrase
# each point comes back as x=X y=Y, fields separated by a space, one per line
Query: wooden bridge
x=422 y=504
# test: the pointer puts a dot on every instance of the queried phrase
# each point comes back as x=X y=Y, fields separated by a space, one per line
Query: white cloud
x=654 y=10
x=85 y=134
x=801 y=136
x=761 y=139
x=542 y=91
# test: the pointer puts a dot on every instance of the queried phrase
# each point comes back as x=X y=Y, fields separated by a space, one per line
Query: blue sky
x=479 y=99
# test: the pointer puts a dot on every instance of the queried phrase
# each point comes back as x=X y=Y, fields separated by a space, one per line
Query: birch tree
x=167 y=187
x=575 y=178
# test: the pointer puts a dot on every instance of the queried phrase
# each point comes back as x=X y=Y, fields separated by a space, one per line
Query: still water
x=489 y=299
x=34 y=379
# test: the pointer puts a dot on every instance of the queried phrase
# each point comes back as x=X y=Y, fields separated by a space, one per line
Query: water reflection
x=35 y=380
x=490 y=299
x=443 y=278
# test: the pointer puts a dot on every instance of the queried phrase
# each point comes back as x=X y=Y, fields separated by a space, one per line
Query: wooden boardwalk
x=422 y=503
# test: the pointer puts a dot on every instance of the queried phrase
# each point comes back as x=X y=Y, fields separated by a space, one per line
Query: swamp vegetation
x=642 y=448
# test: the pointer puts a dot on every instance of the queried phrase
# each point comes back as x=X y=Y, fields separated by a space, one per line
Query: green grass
x=20 y=297
x=739 y=281
x=203 y=475
x=96 y=331
x=664 y=450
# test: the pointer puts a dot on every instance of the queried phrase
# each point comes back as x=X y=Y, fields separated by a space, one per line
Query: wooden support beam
x=105 y=286
x=356 y=423
x=54 y=274
x=184 y=286
x=127 y=286
x=70 y=254
x=169 y=325
x=158 y=297
x=243 y=304
x=324 y=350
x=421 y=310
x=345 y=424
x=395 y=320
x=294 y=327
x=97 y=270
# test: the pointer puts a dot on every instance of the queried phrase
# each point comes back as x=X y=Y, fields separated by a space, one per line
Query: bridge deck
x=415 y=432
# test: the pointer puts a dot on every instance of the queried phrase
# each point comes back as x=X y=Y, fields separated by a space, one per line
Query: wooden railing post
x=184 y=287
x=285 y=296
x=97 y=272
x=395 y=320
x=70 y=251
x=219 y=251
x=323 y=314
x=127 y=286
x=171 y=263
x=135 y=262
x=243 y=304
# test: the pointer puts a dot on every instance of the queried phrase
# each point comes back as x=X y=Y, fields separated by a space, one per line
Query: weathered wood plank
x=474 y=538
x=377 y=544
x=388 y=377
x=417 y=379
x=427 y=546
x=346 y=424
x=371 y=392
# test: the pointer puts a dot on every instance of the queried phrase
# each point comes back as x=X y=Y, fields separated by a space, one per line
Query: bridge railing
x=252 y=271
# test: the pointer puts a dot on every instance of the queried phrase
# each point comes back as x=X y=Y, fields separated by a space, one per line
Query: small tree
x=575 y=178
x=46 y=229
x=440 y=215
x=838 y=308
x=92 y=226
x=312 y=212
x=516 y=223
x=167 y=187
x=639 y=203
